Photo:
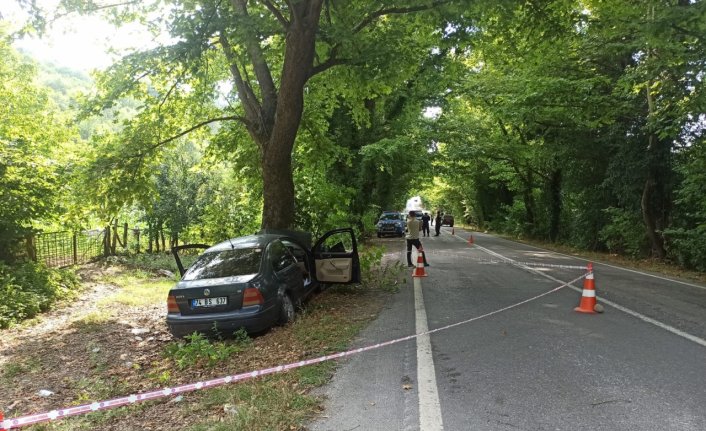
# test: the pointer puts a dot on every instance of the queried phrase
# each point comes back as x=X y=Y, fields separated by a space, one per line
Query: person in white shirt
x=413 y=228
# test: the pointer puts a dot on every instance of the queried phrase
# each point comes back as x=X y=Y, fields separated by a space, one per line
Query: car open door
x=336 y=257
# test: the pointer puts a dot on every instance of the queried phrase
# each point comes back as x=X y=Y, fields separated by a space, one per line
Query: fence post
x=106 y=242
x=74 y=243
x=114 y=242
x=32 y=248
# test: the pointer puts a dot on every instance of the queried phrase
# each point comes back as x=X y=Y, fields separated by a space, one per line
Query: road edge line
x=427 y=390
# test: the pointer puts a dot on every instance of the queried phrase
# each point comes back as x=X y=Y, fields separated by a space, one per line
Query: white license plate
x=209 y=302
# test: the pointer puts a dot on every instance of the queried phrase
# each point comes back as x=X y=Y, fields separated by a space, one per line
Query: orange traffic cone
x=588 y=297
x=419 y=271
x=470 y=240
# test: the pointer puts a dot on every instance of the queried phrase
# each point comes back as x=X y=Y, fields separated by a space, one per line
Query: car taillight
x=252 y=296
x=172 y=306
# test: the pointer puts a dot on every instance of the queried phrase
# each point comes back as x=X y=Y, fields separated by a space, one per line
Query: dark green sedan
x=255 y=282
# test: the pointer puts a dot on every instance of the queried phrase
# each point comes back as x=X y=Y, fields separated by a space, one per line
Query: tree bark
x=650 y=193
x=273 y=118
x=278 y=179
x=555 y=205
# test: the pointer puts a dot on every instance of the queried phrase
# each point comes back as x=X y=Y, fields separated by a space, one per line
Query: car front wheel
x=286 y=310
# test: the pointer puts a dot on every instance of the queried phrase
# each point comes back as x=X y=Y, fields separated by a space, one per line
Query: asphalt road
x=537 y=365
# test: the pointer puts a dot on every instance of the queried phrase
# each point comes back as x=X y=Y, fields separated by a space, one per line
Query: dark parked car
x=391 y=223
x=255 y=282
x=447 y=219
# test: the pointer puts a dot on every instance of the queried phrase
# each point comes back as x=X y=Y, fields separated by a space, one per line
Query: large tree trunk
x=528 y=199
x=274 y=120
x=278 y=180
x=651 y=196
x=555 y=205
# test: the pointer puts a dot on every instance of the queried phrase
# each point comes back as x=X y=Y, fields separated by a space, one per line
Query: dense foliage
x=28 y=289
x=579 y=122
x=582 y=122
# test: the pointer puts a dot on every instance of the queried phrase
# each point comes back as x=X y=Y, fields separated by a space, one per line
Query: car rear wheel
x=286 y=310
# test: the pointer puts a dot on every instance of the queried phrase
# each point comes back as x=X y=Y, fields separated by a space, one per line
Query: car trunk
x=215 y=295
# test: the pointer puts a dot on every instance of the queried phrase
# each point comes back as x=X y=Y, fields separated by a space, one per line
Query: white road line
x=642 y=317
x=429 y=406
x=598 y=262
x=657 y=323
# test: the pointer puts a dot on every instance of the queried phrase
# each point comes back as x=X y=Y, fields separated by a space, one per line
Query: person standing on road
x=425 y=224
x=437 y=223
x=413 y=228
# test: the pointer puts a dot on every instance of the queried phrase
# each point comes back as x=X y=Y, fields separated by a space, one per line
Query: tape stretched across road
x=23 y=421
x=506 y=261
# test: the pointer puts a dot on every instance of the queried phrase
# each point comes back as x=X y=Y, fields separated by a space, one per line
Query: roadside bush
x=369 y=221
x=686 y=247
x=625 y=233
x=511 y=220
x=375 y=273
x=197 y=349
x=30 y=288
x=370 y=258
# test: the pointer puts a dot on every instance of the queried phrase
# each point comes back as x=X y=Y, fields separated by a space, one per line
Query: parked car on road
x=447 y=219
x=391 y=223
x=254 y=282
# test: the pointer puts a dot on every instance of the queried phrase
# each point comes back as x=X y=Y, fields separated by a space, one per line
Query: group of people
x=413 y=229
x=426 y=219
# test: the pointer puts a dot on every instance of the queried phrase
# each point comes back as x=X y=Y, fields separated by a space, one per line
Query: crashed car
x=255 y=282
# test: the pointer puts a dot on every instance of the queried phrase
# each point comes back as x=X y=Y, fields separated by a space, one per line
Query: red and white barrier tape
x=507 y=261
x=22 y=421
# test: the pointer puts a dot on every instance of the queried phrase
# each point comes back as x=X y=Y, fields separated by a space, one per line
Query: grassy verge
x=327 y=323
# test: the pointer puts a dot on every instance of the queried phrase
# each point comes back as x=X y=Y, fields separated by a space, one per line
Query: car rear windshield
x=226 y=263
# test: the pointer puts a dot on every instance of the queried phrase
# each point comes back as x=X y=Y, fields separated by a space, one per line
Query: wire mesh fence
x=58 y=249
x=67 y=248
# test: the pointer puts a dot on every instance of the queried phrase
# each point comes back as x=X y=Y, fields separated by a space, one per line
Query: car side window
x=338 y=243
x=280 y=257
x=298 y=253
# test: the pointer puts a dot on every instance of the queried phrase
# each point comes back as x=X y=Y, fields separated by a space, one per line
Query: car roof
x=262 y=239
x=250 y=241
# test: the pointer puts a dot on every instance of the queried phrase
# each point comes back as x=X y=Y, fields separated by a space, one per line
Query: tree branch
x=94 y=9
x=394 y=10
x=247 y=96
x=262 y=70
x=326 y=65
x=197 y=126
x=276 y=12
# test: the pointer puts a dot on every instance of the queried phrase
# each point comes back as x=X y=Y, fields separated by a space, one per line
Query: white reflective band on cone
x=589 y=293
